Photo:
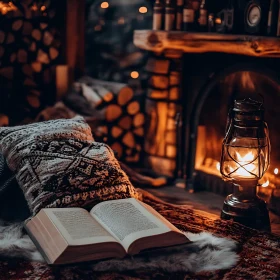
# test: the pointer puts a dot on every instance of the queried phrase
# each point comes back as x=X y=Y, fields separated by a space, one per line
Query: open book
x=112 y=229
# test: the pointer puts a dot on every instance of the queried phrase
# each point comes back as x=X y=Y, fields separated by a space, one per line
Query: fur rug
x=205 y=253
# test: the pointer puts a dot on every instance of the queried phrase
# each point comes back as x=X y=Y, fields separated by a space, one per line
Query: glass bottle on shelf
x=203 y=19
x=158 y=15
x=179 y=14
x=169 y=20
x=195 y=5
x=188 y=16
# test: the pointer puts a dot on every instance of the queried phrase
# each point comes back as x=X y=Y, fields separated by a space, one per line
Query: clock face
x=253 y=15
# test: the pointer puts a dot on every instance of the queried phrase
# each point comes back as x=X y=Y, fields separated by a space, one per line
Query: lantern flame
x=265 y=184
x=276 y=171
x=246 y=167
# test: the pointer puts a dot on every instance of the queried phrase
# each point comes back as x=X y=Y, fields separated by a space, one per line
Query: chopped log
x=10 y=38
x=53 y=53
x=174 y=93
x=32 y=47
x=7 y=72
x=104 y=93
x=159 y=82
x=117 y=147
x=117 y=89
x=129 y=140
x=170 y=137
x=27 y=40
x=27 y=28
x=91 y=96
x=139 y=131
x=138 y=119
x=36 y=34
x=29 y=82
x=2 y=51
x=113 y=112
x=102 y=130
x=33 y=100
x=36 y=66
x=159 y=66
x=22 y=56
x=13 y=57
x=27 y=70
x=47 y=38
x=4 y=120
x=125 y=122
x=124 y=97
x=2 y=37
x=116 y=131
x=133 y=108
x=43 y=25
x=42 y=57
x=171 y=151
x=17 y=24
x=172 y=110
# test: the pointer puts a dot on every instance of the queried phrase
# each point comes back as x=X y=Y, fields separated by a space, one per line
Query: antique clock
x=246 y=16
x=255 y=17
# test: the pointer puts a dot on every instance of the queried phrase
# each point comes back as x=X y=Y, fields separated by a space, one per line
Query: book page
x=127 y=220
x=78 y=227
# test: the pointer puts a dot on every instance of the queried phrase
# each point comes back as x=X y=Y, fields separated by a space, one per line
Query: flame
x=265 y=184
x=218 y=165
x=248 y=167
x=276 y=171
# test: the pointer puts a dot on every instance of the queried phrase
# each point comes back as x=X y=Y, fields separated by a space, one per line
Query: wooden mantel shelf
x=163 y=41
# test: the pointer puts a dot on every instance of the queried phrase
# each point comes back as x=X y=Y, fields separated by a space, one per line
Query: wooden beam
x=162 y=41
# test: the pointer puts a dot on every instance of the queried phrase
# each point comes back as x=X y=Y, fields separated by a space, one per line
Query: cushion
x=58 y=164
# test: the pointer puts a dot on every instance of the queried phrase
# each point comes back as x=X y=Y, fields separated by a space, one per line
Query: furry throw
x=205 y=253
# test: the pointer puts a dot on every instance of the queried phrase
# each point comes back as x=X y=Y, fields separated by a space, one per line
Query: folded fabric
x=57 y=163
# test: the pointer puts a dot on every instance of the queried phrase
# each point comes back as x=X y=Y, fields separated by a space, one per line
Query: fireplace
x=210 y=81
x=234 y=78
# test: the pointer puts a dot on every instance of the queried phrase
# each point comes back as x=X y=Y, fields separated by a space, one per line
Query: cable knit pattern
x=58 y=164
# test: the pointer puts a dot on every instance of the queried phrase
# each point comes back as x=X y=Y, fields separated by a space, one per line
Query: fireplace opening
x=209 y=120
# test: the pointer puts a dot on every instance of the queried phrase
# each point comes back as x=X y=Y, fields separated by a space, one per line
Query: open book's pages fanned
x=112 y=229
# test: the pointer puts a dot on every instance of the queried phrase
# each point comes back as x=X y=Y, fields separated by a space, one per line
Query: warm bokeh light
x=43 y=8
x=6 y=7
x=121 y=20
x=97 y=27
x=276 y=171
x=265 y=184
x=104 y=5
x=143 y=10
x=134 y=74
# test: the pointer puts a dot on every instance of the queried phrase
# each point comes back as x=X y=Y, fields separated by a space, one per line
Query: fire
x=218 y=165
x=265 y=184
x=248 y=167
x=276 y=171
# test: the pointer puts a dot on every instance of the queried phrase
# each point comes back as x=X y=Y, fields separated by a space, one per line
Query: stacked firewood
x=121 y=113
x=29 y=49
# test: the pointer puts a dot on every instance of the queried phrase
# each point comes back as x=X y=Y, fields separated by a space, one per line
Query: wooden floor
x=205 y=201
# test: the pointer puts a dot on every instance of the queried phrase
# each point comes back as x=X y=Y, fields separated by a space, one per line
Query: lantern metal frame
x=244 y=206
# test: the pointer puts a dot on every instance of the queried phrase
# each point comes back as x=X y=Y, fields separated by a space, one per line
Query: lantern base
x=252 y=213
